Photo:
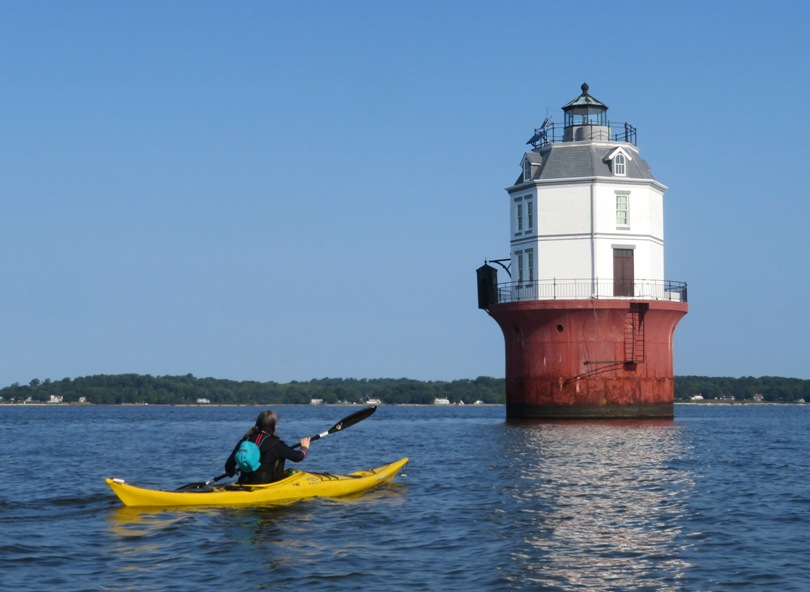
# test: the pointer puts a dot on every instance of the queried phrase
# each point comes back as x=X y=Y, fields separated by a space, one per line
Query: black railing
x=555 y=132
x=586 y=289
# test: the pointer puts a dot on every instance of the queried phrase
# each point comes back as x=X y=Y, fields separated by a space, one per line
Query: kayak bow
x=296 y=486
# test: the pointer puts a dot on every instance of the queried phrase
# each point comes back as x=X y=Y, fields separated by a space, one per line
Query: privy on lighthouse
x=587 y=315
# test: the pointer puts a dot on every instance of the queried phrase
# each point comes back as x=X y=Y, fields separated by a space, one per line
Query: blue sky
x=295 y=190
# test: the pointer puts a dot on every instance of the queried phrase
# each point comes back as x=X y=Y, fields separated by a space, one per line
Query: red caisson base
x=597 y=359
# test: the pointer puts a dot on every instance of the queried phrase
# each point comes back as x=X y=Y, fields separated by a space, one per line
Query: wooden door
x=623 y=272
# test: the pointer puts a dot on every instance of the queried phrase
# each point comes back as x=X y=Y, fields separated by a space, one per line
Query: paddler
x=273 y=451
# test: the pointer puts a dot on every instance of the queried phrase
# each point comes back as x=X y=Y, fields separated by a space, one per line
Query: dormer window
x=620 y=165
x=527 y=170
x=617 y=160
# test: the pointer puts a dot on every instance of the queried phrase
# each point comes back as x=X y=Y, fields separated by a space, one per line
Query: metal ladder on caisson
x=634 y=333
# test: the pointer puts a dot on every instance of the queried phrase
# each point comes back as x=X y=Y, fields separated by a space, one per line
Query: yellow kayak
x=297 y=485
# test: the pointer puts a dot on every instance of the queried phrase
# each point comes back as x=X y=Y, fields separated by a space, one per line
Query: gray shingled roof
x=566 y=160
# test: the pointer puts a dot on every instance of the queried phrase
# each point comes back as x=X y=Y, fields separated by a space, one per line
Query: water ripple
x=716 y=500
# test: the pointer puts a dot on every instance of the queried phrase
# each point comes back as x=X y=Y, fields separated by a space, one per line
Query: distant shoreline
x=46 y=404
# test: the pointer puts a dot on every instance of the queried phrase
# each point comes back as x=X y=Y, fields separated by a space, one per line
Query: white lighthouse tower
x=587 y=317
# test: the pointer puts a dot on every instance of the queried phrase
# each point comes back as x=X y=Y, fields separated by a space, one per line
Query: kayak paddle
x=344 y=423
x=202 y=484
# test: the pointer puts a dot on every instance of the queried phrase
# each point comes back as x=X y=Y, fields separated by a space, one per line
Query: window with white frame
x=519 y=218
x=519 y=257
x=620 y=165
x=530 y=263
x=529 y=215
x=622 y=209
x=527 y=170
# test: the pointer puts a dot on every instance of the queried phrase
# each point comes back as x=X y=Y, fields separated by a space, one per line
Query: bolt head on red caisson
x=587 y=316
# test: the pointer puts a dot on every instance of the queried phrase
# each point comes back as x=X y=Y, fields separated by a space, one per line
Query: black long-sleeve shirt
x=273 y=453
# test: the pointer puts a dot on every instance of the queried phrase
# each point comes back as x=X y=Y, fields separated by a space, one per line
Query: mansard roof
x=566 y=160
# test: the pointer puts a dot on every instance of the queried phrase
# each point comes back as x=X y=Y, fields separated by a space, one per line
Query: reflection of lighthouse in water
x=587 y=316
x=597 y=505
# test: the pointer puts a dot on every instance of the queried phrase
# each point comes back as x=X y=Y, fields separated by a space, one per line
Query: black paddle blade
x=344 y=423
x=352 y=419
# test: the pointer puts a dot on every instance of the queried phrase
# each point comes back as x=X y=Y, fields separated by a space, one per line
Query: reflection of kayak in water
x=295 y=486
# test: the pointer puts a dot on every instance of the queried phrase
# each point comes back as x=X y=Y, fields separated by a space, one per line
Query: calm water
x=718 y=499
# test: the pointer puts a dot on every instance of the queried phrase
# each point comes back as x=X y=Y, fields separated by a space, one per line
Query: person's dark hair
x=267 y=422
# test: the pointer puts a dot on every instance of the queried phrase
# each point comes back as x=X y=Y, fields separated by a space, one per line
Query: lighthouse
x=587 y=315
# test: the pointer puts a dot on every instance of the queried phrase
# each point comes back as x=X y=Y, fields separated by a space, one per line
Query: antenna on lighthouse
x=540 y=133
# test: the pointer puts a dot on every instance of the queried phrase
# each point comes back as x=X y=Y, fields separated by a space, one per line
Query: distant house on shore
x=441 y=401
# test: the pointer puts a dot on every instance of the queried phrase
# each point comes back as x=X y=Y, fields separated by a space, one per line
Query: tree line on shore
x=187 y=389
x=772 y=389
x=178 y=390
